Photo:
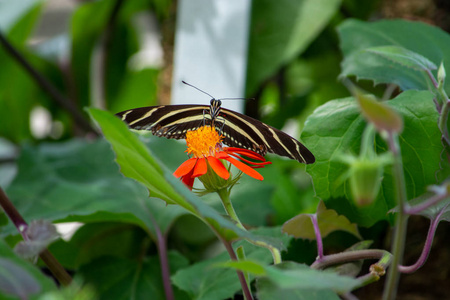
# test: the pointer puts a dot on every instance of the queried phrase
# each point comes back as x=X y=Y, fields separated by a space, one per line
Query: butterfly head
x=215 y=107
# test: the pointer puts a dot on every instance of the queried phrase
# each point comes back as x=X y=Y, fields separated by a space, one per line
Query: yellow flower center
x=203 y=141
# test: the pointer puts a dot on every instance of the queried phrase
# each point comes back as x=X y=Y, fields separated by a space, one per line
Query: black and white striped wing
x=170 y=121
x=245 y=132
x=173 y=121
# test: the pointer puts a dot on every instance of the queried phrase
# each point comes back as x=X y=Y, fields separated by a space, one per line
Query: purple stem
x=163 y=259
x=426 y=248
x=318 y=236
x=47 y=257
x=349 y=256
x=245 y=289
x=433 y=80
x=414 y=210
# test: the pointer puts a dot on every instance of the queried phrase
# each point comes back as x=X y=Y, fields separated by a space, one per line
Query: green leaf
x=134 y=158
x=267 y=290
x=379 y=114
x=297 y=281
x=429 y=42
x=94 y=240
x=404 y=57
x=336 y=128
x=19 y=277
x=280 y=31
x=328 y=220
x=15 y=280
x=440 y=211
x=296 y=276
x=204 y=280
x=120 y=278
x=292 y=275
x=79 y=181
x=245 y=266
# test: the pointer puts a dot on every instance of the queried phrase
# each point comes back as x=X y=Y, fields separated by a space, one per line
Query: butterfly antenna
x=197 y=88
x=237 y=98
x=212 y=96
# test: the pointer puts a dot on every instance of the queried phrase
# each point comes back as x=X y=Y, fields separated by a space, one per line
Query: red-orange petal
x=188 y=179
x=218 y=167
x=259 y=164
x=222 y=155
x=200 y=168
x=245 y=152
x=185 y=167
x=244 y=168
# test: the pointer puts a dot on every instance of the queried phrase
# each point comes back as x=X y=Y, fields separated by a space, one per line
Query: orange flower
x=206 y=147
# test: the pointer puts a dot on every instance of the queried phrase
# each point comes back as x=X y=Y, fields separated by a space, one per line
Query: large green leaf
x=19 y=277
x=79 y=181
x=291 y=275
x=280 y=31
x=206 y=280
x=268 y=290
x=290 y=279
x=120 y=278
x=94 y=240
x=356 y=37
x=336 y=128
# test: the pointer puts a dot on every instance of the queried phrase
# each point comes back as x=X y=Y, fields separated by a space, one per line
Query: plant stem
x=443 y=120
x=390 y=289
x=427 y=246
x=443 y=106
x=242 y=280
x=426 y=204
x=318 y=236
x=383 y=256
x=56 y=95
x=241 y=256
x=54 y=266
x=225 y=197
x=163 y=259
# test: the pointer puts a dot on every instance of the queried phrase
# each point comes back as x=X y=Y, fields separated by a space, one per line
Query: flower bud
x=365 y=180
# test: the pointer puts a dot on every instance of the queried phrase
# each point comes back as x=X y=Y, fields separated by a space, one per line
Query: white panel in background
x=211 y=51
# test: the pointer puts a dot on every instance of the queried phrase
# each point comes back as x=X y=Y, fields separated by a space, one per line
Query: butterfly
x=238 y=130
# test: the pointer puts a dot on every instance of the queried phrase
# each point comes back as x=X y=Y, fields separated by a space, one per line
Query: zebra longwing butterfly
x=238 y=130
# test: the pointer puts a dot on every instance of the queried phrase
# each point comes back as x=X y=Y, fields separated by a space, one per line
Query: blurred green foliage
x=297 y=50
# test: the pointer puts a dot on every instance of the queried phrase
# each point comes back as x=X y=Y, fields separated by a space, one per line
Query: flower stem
x=241 y=256
x=224 y=195
x=390 y=289
x=241 y=276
